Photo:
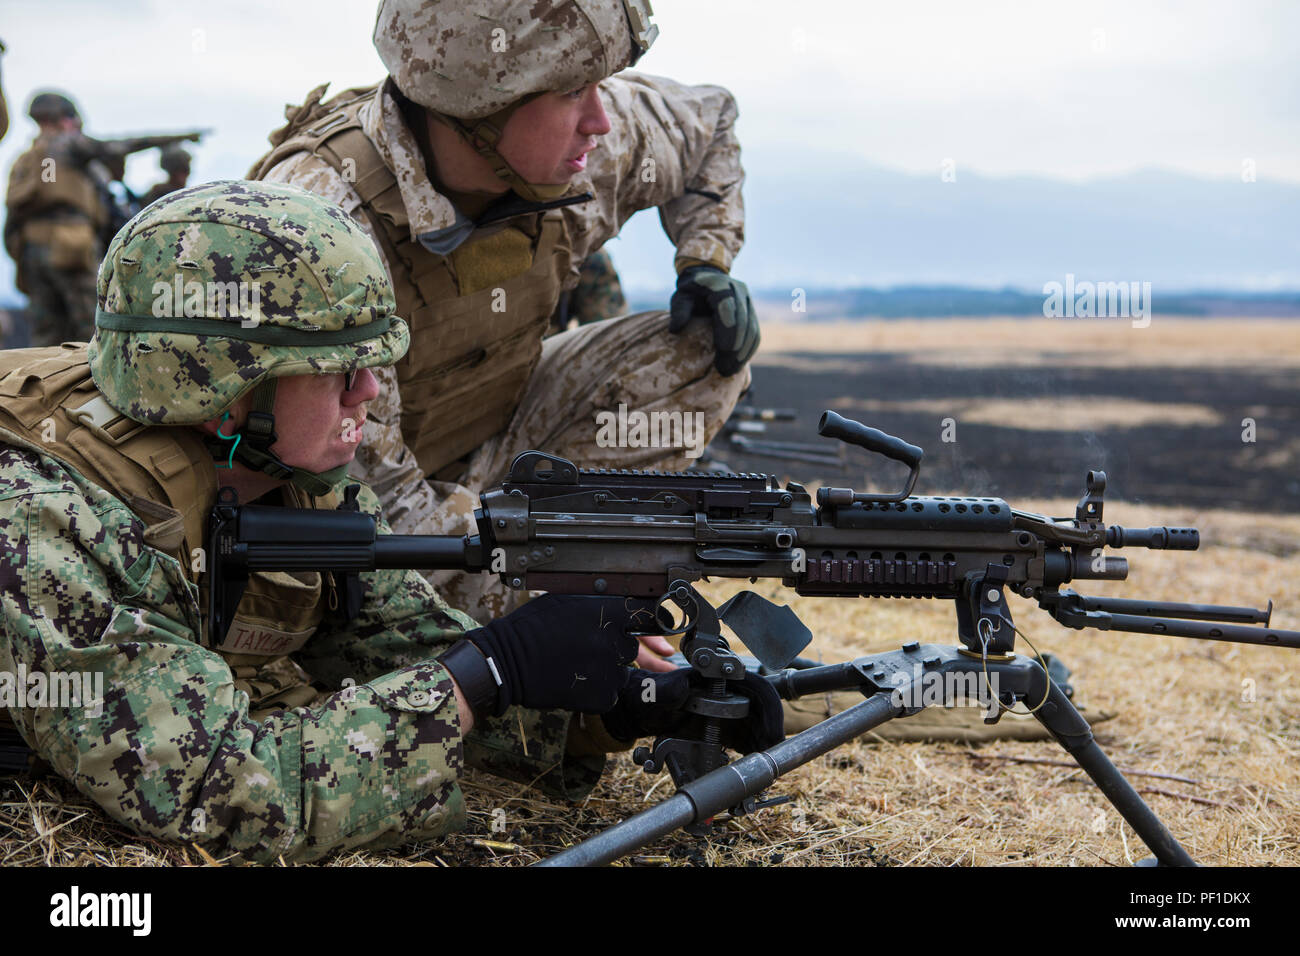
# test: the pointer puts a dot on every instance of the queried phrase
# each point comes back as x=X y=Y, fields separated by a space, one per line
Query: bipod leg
x=1073 y=732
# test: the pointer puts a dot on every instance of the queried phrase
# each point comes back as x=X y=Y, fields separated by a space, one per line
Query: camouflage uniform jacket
x=670 y=146
x=172 y=750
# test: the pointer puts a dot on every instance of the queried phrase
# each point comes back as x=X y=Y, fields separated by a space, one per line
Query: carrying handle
x=846 y=430
x=872 y=439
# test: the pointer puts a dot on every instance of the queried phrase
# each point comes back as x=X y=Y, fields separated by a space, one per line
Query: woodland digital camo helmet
x=474 y=64
x=218 y=289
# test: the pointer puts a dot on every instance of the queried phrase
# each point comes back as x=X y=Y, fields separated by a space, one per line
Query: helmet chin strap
x=252 y=447
x=484 y=135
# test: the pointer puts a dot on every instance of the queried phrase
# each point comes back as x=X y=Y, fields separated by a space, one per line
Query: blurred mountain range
x=835 y=222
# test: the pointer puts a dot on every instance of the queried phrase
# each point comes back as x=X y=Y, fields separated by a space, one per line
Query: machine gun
x=550 y=526
x=113 y=152
x=104 y=160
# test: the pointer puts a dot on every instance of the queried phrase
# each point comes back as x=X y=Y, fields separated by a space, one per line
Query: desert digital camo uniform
x=299 y=732
x=479 y=385
x=55 y=214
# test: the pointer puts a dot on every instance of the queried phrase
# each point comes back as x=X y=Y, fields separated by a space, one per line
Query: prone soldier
x=312 y=724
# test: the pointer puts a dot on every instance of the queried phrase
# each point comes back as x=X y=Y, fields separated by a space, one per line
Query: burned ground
x=1163 y=435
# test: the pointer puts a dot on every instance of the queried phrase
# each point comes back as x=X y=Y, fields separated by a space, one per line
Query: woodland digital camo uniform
x=479 y=386
x=233 y=747
x=597 y=296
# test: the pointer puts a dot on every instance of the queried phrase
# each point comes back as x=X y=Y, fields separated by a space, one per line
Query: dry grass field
x=1108 y=343
x=1208 y=732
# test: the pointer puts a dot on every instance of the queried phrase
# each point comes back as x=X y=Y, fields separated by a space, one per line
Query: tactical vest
x=475 y=338
x=167 y=477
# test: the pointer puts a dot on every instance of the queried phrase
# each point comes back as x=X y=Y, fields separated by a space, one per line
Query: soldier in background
x=56 y=214
x=61 y=211
x=598 y=294
x=175 y=162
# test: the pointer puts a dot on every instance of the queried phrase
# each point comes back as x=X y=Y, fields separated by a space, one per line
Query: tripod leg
x=726 y=786
x=1067 y=725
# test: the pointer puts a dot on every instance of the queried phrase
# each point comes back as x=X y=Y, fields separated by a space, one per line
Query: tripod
x=895 y=684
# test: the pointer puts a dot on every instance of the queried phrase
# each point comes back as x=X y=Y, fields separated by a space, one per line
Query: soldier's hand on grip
x=708 y=292
x=557 y=651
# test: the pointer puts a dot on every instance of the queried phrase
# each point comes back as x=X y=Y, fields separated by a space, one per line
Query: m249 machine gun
x=550 y=526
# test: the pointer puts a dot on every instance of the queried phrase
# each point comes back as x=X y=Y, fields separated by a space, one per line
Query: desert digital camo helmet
x=216 y=290
x=472 y=65
x=50 y=106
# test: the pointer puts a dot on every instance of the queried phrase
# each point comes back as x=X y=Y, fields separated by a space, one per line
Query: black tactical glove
x=650 y=706
x=708 y=292
x=557 y=651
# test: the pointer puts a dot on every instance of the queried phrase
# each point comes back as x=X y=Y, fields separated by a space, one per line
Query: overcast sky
x=1068 y=91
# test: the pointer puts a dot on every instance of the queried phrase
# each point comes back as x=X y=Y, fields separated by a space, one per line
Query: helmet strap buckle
x=260 y=426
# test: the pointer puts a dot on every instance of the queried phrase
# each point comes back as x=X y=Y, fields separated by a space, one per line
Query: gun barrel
x=1157 y=539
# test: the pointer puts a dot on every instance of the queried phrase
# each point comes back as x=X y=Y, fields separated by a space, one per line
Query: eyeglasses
x=349 y=379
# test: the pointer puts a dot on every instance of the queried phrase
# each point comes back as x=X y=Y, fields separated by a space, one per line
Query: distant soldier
x=61 y=208
x=56 y=213
x=175 y=162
